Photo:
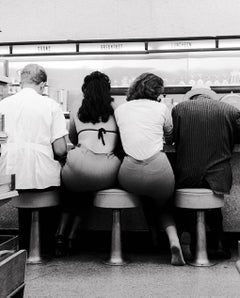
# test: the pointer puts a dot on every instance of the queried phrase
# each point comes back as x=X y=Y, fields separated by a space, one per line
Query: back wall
x=29 y=20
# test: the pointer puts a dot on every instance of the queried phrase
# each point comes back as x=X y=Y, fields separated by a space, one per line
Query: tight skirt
x=152 y=177
x=86 y=171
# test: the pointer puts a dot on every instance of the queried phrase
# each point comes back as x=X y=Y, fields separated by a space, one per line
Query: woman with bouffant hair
x=144 y=123
x=91 y=165
x=147 y=85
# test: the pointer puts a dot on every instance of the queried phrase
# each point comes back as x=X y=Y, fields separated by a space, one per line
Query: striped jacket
x=205 y=132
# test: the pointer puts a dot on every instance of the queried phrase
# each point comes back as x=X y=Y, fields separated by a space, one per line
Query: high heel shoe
x=60 y=246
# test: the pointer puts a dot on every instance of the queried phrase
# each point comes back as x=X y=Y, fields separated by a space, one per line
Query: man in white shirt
x=36 y=130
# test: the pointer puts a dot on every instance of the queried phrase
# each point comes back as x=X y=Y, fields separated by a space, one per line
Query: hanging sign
x=4 y=50
x=112 y=47
x=181 y=45
x=44 y=49
x=229 y=43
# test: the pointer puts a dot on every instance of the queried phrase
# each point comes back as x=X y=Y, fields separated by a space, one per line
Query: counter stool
x=200 y=200
x=115 y=199
x=35 y=200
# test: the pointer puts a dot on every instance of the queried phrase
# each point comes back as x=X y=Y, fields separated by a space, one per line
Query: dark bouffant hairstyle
x=146 y=86
x=96 y=105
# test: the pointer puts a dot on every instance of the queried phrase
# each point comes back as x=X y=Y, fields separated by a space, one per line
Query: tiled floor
x=148 y=275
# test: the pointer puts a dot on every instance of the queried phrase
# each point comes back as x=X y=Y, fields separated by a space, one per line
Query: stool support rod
x=116 y=258
x=201 y=257
x=34 y=247
x=116 y=245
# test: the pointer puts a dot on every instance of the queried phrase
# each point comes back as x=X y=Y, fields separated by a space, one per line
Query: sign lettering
x=112 y=47
x=181 y=45
x=44 y=48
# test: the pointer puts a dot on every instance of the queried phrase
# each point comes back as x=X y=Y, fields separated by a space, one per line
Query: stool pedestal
x=34 y=256
x=35 y=200
x=201 y=256
x=200 y=200
x=116 y=257
x=115 y=199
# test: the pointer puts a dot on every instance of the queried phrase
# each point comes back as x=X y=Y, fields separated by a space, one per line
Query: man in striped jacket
x=205 y=131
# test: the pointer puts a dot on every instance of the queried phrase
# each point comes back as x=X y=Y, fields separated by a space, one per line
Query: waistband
x=85 y=149
x=30 y=146
x=147 y=160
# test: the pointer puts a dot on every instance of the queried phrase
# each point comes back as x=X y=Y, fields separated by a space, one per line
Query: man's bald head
x=33 y=74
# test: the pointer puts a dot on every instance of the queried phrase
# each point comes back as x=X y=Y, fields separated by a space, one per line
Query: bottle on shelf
x=3 y=135
x=181 y=82
x=200 y=81
x=208 y=82
x=225 y=80
x=62 y=97
x=192 y=82
x=235 y=77
x=216 y=81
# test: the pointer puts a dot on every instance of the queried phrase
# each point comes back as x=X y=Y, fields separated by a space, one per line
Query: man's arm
x=60 y=149
x=168 y=128
x=73 y=136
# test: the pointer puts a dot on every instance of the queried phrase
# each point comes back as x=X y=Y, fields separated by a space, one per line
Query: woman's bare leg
x=64 y=221
x=73 y=232
x=75 y=225
x=169 y=227
x=60 y=246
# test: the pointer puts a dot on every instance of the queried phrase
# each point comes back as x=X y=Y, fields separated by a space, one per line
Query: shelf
x=4 y=79
x=181 y=89
x=6 y=197
x=9 y=194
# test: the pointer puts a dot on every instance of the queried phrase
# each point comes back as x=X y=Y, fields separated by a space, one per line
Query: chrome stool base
x=116 y=200
x=116 y=262
x=200 y=200
x=33 y=261
x=201 y=256
x=201 y=263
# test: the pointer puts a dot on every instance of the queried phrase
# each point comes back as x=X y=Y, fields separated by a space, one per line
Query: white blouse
x=32 y=123
x=143 y=124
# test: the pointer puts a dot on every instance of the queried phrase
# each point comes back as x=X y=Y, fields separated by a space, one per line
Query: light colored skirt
x=86 y=171
x=152 y=177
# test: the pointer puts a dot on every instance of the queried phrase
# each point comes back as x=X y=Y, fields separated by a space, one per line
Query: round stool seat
x=36 y=199
x=198 y=198
x=115 y=199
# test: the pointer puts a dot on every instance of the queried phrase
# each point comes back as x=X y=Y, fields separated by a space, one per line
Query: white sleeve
x=58 y=127
x=168 y=127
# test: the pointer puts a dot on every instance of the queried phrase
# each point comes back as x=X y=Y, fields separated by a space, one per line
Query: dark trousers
x=48 y=225
x=186 y=221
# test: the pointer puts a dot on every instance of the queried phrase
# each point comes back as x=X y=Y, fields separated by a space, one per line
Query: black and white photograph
x=119 y=149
